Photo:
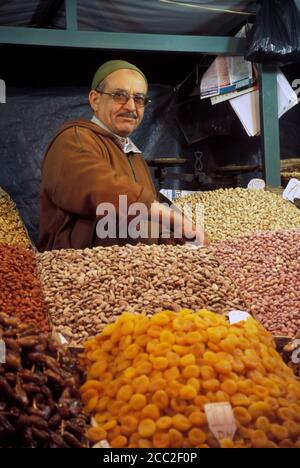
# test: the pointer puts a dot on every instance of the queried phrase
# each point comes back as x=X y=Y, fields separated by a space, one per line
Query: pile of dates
x=40 y=404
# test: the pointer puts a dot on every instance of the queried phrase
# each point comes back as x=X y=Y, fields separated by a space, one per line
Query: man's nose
x=130 y=104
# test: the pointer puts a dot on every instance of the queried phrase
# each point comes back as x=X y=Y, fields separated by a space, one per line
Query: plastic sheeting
x=275 y=36
x=144 y=16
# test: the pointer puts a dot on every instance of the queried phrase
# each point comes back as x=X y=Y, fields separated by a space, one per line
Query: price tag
x=292 y=190
x=296 y=353
x=2 y=352
x=59 y=338
x=221 y=420
x=236 y=316
x=101 y=444
x=193 y=245
x=257 y=184
x=172 y=194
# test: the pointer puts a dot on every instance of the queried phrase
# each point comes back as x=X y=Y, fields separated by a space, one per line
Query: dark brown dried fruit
x=39 y=399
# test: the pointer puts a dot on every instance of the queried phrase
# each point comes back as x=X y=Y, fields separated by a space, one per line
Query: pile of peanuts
x=20 y=288
x=87 y=289
x=230 y=213
x=40 y=403
x=12 y=229
x=149 y=380
x=266 y=269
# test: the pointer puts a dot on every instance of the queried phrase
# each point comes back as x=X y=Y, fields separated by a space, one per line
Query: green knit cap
x=108 y=67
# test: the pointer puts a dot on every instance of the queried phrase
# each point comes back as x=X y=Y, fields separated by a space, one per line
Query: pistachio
x=138 y=279
x=230 y=213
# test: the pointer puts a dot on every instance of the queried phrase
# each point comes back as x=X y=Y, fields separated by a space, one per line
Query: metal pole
x=269 y=124
x=120 y=41
x=71 y=14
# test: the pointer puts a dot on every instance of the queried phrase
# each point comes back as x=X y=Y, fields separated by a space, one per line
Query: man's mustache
x=129 y=115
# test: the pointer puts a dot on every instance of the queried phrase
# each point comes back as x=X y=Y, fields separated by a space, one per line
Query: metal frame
x=71 y=37
x=270 y=124
x=121 y=41
x=71 y=14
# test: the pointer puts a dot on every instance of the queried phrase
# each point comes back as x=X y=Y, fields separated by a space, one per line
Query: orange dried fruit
x=146 y=428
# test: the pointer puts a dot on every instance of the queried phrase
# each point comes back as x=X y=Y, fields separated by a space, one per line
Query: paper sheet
x=247 y=106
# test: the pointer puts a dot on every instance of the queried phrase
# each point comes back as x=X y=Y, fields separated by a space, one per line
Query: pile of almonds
x=12 y=230
x=266 y=268
x=20 y=287
x=40 y=404
x=230 y=213
x=87 y=289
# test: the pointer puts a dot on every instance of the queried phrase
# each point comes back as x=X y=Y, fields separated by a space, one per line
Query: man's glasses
x=121 y=97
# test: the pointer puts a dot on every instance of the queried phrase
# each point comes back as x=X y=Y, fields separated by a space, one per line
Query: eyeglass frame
x=129 y=96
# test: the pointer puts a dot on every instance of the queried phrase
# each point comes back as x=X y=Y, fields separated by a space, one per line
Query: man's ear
x=94 y=100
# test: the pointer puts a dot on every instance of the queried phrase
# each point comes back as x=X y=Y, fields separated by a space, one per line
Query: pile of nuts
x=87 y=289
x=12 y=229
x=231 y=213
x=266 y=269
x=39 y=399
x=20 y=287
x=290 y=175
x=149 y=380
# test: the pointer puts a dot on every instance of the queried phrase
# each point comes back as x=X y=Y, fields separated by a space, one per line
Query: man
x=89 y=163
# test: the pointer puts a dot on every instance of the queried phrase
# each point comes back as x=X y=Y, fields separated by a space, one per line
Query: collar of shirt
x=126 y=145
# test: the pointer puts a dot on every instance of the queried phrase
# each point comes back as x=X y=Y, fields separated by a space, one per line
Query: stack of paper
x=226 y=97
x=226 y=75
x=247 y=106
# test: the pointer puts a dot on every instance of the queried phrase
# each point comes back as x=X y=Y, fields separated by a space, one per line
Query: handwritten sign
x=257 y=184
x=221 y=420
x=236 y=316
x=292 y=190
x=2 y=352
x=102 y=444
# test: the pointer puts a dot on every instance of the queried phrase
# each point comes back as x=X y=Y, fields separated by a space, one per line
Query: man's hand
x=194 y=234
x=180 y=225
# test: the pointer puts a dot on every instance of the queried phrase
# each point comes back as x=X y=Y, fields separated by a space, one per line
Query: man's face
x=121 y=119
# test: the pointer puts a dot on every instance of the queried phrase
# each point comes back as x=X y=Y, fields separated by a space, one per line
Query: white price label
x=2 y=352
x=236 y=316
x=292 y=190
x=296 y=353
x=101 y=444
x=172 y=194
x=221 y=420
x=257 y=184
x=59 y=338
x=192 y=245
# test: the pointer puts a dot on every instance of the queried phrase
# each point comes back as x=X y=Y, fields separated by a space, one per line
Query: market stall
x=156 y=346
x=156 y=338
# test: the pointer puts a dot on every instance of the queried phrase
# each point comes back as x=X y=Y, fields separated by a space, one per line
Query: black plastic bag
x=275 y=36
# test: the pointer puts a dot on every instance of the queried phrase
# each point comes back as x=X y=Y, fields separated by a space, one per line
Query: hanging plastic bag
x=275 y=36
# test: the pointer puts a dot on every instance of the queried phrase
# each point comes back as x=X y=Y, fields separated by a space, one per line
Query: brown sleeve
x=83 y=177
